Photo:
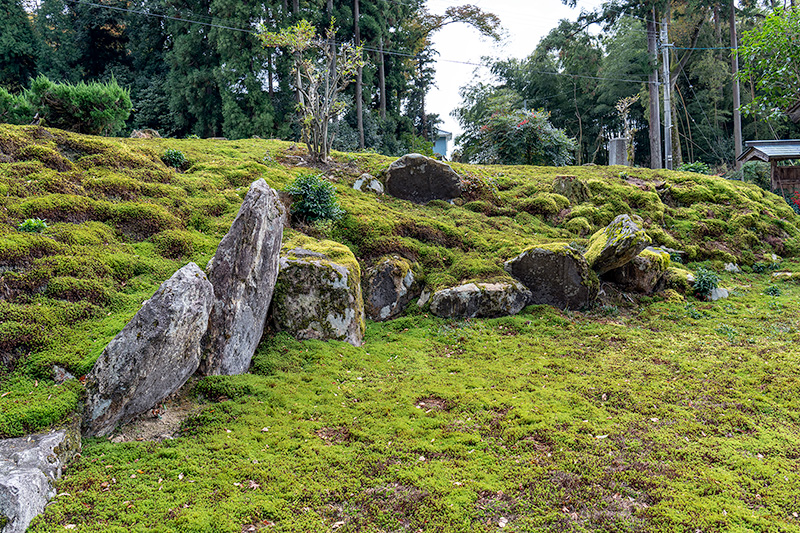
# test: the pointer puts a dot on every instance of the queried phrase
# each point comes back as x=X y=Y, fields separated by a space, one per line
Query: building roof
x=771 y=150
x=446 y=134
x=794 y=112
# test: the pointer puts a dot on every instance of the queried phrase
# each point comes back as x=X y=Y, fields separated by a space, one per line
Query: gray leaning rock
x=153 y=355
x=421 y=179
x=556 y=275
x=243 y=272
x=485 y=300
x=643 y=273
x=388 y=287
x=319 y=298
x=616 y=244
x=29 y=467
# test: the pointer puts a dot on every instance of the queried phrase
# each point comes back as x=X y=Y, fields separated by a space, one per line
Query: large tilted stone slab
x=319 y=298
x=421 y=179
x=572 y=188
x=643 y=273
x=29 y=467
x=484 y=300
x=616 y=244
x=153 y=355
x=243 y=272
x=556 y=275
x=388 y=288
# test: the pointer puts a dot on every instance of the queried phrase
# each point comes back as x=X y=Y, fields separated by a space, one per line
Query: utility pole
x=652 y=86
x=667 y=103
x=737 y=116
x=359 y=83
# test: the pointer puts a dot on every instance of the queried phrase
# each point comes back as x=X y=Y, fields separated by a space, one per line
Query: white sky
x=525 y=22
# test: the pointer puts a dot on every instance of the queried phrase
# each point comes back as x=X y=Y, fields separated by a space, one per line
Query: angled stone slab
x=153 y=355
x=616 y=244
x=243 y=272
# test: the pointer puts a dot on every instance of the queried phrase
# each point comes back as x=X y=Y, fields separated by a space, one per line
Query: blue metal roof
x=771 y=150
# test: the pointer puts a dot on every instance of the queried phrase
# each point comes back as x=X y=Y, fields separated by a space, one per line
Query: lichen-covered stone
x=556 y=275
x=718 y=294
x=388 y=287
x=572 y=188
x=243 y=272
x=643 y=273
x=616 y=244
x=675 y=278
x=487 y=300
x=29 y=467
x=368 y=183
x=317 y=298
x=153 y=355
x=421 y=179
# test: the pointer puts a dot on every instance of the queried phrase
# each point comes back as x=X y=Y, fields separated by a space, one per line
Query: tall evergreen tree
x=18 y=46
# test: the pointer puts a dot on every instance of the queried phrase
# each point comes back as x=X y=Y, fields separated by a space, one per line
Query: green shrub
x=698 y=167
x=772 y=290
x=314 y=198
x=32 y=225
x=705 y=281
x=756 y=172
x=173 y=158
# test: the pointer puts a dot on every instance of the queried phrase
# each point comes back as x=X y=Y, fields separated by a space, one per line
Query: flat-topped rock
x=421 y=179
x=556 y=275
x=484 y=300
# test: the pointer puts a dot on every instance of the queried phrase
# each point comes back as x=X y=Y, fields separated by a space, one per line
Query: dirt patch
x=334 y=435
x=164 y=421
x=433 y=403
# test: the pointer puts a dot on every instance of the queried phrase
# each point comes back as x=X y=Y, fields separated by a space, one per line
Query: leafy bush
x=33 y=225
x=772 y=290
x=314 y=199
x=173 y=158
x=756 y=172
x=705 y=281
x=698 y=166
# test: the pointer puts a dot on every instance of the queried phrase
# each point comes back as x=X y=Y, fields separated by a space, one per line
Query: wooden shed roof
x=771 y=150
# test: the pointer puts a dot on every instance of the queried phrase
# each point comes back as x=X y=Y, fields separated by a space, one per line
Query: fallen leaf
x=3 y=396
x=600 y=436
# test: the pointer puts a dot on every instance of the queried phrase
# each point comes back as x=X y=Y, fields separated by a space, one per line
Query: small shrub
x=173 y=158
x=192 y=136
x=705 y=281
x=314 y=199
x=33 y=225
x=698 y=167
x=772 y=290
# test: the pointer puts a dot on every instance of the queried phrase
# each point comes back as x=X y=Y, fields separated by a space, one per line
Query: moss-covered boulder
x=389 y=286
x=489 y=300
x=421 y=179
x=29 y=467
x=556 y=275
x=318 y=292
x=675 y=278
x=572 y=188
x=616 y=244
x=643 y=273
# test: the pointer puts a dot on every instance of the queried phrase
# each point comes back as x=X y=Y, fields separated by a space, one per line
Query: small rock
x=60 y=375
x=489 y=300
x=616 y=244
x=556 y=275
x=732 y=268
x=424 y=298
x=368 y=183
x=421 y=179
x=718 y=294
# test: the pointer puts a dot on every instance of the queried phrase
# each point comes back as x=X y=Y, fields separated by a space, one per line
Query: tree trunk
x=737 y=117
x=269 y=77
x=652 y=85
x=382 y=81
x=359 y=82
x=295 y=6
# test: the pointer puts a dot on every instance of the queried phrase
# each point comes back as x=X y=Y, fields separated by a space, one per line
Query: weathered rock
x=643 y=273
x=243 y=272
x=572 y=188
x=368 y=183
x=153 y=355
x=388 y=287
x=421 y=179
x=556 y=275
x=146 y=133
x=733 y=268
x=487 y=300
x=677 y=279
x=616 y=244
x=29 y=467
x=718 y=294
x=317 y=298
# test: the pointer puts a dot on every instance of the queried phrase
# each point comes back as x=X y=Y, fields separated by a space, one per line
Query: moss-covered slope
x=120 y=221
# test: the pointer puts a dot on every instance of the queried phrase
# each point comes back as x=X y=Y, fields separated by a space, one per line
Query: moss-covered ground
x=671 y=415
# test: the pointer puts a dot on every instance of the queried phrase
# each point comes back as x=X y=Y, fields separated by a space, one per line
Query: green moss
x=174 y=244
x=612 y=235
x=679 y=279
x=657 y=257
x=47 y=156
x=579 y=226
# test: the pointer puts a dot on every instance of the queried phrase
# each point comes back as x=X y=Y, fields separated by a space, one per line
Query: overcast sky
x=525 y=21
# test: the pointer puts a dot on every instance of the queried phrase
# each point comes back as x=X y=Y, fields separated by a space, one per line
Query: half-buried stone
x=389 y=286
x=421 y=179
x=643 y=273
x=153 y=355
x=243 y=272
x=484 y=300
x=556 y=275
x=318 y=292
x=616 y=244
